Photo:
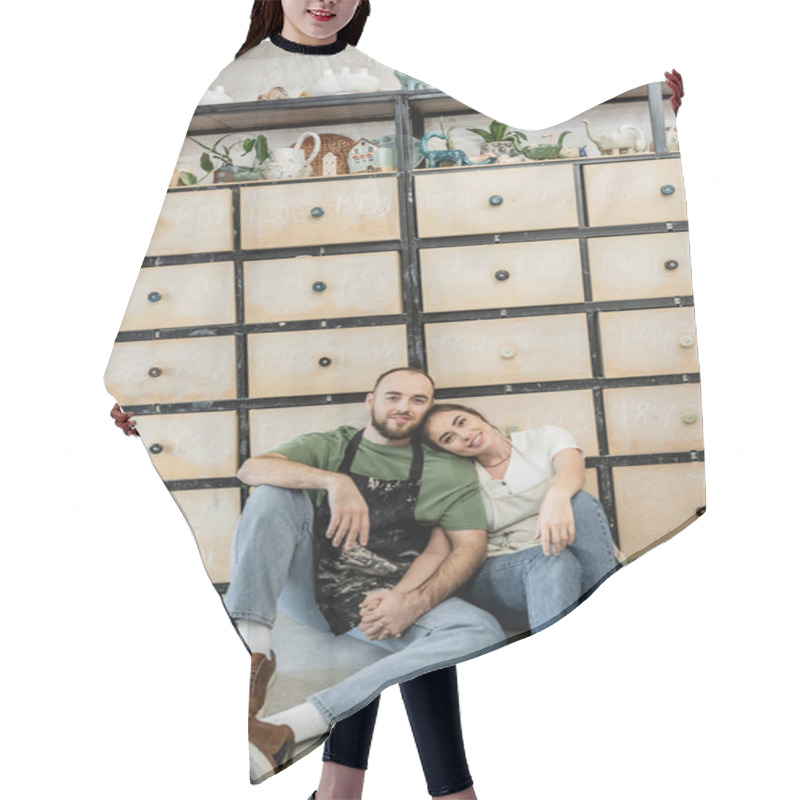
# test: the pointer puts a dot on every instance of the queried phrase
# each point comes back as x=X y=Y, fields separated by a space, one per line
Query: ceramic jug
x=291 y=162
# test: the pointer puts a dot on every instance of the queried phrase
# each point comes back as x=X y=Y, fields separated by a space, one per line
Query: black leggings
x=432 y=707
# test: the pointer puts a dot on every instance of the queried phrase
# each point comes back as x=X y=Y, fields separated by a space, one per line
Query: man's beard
x=392 y=433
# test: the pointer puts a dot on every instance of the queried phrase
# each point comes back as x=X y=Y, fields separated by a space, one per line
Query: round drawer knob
x=667 y=189
x=689 y=419
x=686 y=341
x=154 y=297
x=502 y=274
x=317 y=211
x=154 y=372
x=508 y=352
x=319 y=286
x=155 y=449
x=671 y=264
x=495 y=200
x=324 y=362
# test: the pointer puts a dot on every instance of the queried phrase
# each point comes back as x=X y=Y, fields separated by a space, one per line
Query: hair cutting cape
x=330 y=219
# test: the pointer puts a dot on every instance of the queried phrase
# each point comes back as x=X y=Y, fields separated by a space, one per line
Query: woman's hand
x=124 y=420
x=556 y=524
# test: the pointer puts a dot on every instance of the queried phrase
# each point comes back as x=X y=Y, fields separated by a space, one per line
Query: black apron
x=341 y=579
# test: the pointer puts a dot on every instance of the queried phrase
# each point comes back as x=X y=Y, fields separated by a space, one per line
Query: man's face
x=399 y=403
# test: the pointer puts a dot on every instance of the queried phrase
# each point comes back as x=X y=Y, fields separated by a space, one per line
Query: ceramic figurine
x=627 y=139
x=443 y=158
x=368 y=156
x=540 y=152
x=291 y=162
x=275 y=93
x=409 y=84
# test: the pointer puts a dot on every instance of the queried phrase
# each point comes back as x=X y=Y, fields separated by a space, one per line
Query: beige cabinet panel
x=654 y=419
x=655 y=501
x=182 y=296
x=272 y=427
x=501 y=275
x=631 y=267
x=360 y=210
x=188 y=446
x=533 y=198
x=572 y=410
x=212 y=515
x=323 y=287
x=194 y=222
x=519 y=350
x=657 y=341
x=172 y=370
x=627 y=193
x=323 y=361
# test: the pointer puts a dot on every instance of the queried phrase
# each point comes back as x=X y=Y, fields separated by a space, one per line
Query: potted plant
x=499 y=140
x=225 y=171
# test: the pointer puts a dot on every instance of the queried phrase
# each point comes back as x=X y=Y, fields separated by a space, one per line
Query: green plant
x=499 y=132
x=447 y=134
x=257 y=145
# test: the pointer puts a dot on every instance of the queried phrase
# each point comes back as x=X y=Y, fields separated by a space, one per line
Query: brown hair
x=435 y=409
x=404 y=369
x=266 y=18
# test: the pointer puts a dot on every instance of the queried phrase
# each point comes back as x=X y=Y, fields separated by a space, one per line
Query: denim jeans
x=272 y=568
x=528 y=590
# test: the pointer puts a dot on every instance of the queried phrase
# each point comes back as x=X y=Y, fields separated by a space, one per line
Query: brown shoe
x=271 y=747
x=262 y=673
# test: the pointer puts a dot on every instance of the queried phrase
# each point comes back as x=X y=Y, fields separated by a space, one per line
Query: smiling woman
x=316 y=21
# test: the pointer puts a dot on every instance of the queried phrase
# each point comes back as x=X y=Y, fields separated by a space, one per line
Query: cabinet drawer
x=630 y=267
x=272 y=427
x=181 y=296
x=323 y=361
x=212 y=515
x=653 y=342
x=501 y=275
x=172 y=370
x=194 y=222
x=325 y=287
x=573 y=410
x=362 y=210
x=655 y=501
x=458 y=202
x=633 y=192
x=654 y=419
x=187 y=446
x=508 y=350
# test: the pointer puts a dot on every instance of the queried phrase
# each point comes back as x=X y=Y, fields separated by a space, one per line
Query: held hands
x=349 y=514
x=388 y=613
x=556 y=524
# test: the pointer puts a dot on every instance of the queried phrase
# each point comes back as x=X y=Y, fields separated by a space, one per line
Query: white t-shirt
x=513 y=502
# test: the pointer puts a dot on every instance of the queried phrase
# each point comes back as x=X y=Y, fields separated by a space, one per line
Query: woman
x=549 y=541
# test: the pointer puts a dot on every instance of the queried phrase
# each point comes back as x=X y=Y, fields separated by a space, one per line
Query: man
x=341 y=515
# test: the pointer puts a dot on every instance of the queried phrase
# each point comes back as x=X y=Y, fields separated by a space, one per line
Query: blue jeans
x=272 y=567
x=528 y=590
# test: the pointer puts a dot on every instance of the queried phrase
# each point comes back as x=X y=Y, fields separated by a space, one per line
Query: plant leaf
x=206 y=163
x=188 y=178
x=262 y=150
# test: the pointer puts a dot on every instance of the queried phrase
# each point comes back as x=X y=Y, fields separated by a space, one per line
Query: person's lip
x=477 y=441
x=321 y=15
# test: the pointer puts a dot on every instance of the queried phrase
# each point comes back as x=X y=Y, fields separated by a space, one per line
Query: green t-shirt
x=449 y=491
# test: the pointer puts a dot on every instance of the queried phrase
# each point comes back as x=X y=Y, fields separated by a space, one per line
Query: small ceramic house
x=366 y=156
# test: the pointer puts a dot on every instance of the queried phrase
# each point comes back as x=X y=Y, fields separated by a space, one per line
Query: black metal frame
x=409 y=110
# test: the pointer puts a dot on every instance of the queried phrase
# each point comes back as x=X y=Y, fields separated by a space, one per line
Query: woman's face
x=316 y=21
x=460 y=432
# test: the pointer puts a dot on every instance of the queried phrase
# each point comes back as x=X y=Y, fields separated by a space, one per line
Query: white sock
x=257 y=635
x=304 y=720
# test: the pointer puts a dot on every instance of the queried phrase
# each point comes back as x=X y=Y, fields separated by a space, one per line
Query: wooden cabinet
x=548 y=292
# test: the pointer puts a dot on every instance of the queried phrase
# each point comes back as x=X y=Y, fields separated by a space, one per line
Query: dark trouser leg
x=351 y=738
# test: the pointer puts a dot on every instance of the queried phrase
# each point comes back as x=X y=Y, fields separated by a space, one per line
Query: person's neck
x=372 y=434
x=295 y=41
x=497 y=453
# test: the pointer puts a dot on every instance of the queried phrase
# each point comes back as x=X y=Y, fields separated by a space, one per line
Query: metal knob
x=495 y=200
x=317 y=211
x=319 y=286
x=324 y=362
x=508 y=352
x=689 y=419
x=155 y=449
x=671 y=264
x=667 y=189
x=154 y=372
x=154 y=297
x=686 y=341
x=502 y=274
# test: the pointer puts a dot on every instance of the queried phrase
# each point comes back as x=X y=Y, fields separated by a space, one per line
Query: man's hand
x=556 y=523
x=388 y=612
x=349 y=513
x=124 y=420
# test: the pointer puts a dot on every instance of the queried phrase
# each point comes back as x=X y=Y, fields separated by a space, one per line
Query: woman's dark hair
x=266 y=18
x=435 y=409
